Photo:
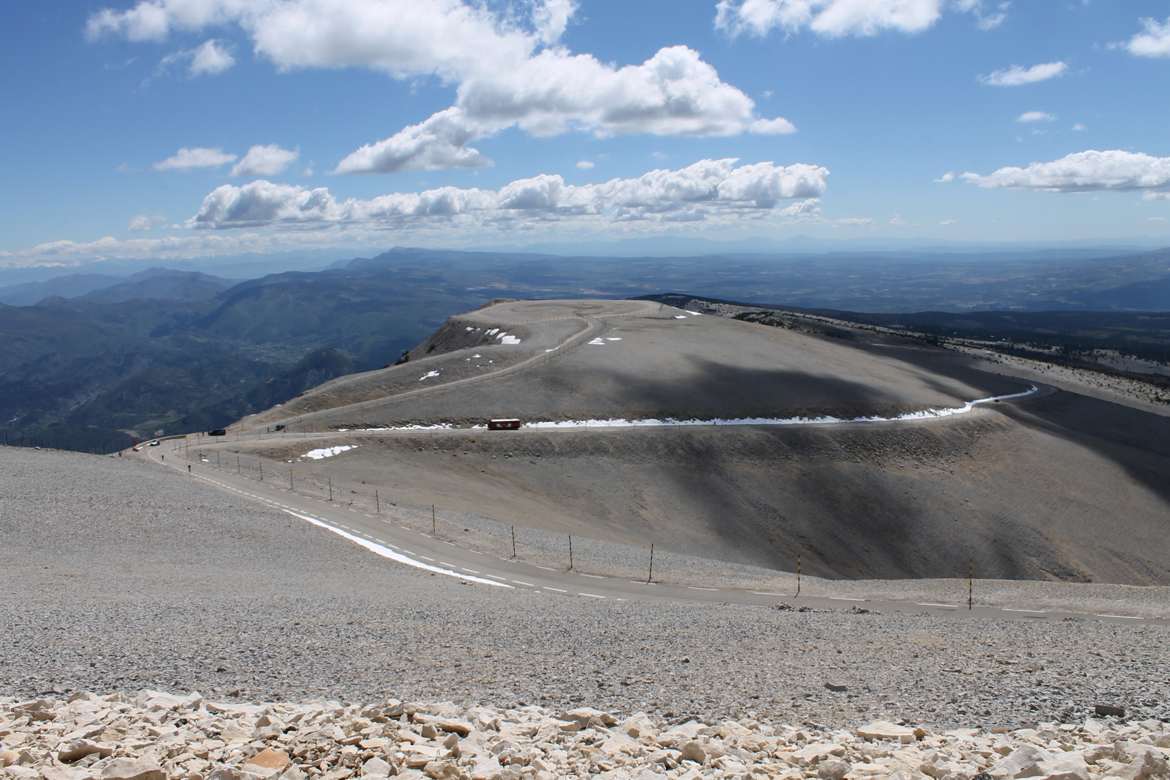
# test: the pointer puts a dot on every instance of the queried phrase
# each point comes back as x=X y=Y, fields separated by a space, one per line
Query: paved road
x=379 y=535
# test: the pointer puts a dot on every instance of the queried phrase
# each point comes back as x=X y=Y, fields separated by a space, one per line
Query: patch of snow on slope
x=506 y=338
x=328 y=452
x=680 y=316
x=670 y=422
x=428 y=375
x=693 y=313
x=598 y=342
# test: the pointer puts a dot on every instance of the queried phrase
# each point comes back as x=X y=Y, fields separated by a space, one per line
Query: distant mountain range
x=94 y=361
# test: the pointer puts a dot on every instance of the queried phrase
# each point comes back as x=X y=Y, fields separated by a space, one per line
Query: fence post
x=513 y=541
x=970 y=584
x=570 y=552
x=237 y=464
x=330 y=488
x=650 y=576
x=434 y=523
x=377 y=503
x=798 y=574
x=260 y=464
x=290 y=482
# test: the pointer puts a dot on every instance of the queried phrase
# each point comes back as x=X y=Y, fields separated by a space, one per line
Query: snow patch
x=328 y=452
x=613 y=338
x=506 y=338
x=492 y=332
x=428 y=375
x=693 y=313
x=393 y=555
x=680 y=316
x=598 y=342
x=671 y=422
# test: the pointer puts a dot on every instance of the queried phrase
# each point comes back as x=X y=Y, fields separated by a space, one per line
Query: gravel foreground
x=154 y=736
x=118 y=575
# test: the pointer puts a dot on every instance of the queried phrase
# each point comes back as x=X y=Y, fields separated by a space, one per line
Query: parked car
x=154 y=443
x=504 y=424
x=217 y=432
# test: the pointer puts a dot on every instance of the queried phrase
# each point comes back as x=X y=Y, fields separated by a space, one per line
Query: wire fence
x=560 y=551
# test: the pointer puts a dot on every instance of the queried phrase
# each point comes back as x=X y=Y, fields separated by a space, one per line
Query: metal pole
x=570 y=552
x=260 y=463
x=238 y=464
x=650 y=576
x=377 y=503
x=513 y=541
x=434 y=525
x=331 y=488
x=290 y=484
x=970 y=584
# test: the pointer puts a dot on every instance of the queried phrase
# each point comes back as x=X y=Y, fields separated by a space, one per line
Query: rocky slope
x=154 y=736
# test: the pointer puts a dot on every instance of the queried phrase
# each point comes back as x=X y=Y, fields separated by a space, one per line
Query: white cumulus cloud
x=1088 y=171
x=706 y=189
x=439 y=142
x=189 y=158
x=144 y=222
x=266 y=160
x=1018 y=75
x=585 y=165
x=506 y=69
x=209 y=58
x=551 y=18
x=1034 y=117
x=1154 y=41
x=839 y=18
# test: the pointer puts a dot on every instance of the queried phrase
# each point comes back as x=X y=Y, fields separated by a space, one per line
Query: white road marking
x=591 y=576
x=387 y=553
x=496 y=577
x=844 y=598
x=1119 y=617
x=591 y=595
x=426 y=557
x=1028 y=611
x=522 y=582
x=696 y=587
x=555 y=590
x=936 y=604
x=766 y=593
x=546 y=568
x=469 y=571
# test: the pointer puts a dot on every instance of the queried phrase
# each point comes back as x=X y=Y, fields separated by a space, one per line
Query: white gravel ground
x=118 y=575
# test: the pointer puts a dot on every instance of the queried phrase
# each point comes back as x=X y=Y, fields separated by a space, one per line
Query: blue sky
x=540 y=120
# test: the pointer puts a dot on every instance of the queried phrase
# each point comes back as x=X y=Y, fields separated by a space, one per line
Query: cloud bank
x=706 y=189
x=1088 y=171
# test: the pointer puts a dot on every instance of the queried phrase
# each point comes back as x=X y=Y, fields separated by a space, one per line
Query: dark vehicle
x=217 y=432
x=504 y=424
x=278 y=427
